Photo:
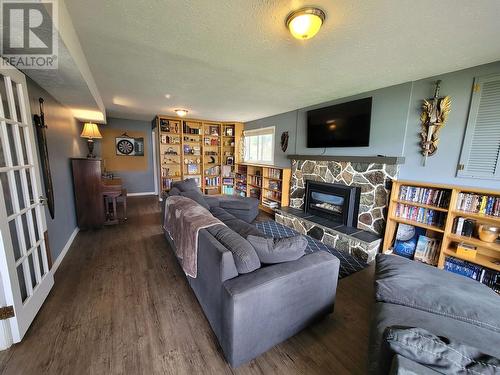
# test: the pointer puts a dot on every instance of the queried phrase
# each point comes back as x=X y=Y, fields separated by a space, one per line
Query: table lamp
x=91 y=132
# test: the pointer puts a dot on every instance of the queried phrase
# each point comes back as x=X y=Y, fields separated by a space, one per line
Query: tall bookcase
x=203 y=150
x=269 y=184
x=439 y=219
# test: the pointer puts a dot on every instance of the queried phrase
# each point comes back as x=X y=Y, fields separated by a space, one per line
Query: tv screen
x=341 y=125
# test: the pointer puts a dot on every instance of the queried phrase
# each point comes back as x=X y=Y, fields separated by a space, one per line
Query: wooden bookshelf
x=488 y=254
x=266 y=183
x=186 y=147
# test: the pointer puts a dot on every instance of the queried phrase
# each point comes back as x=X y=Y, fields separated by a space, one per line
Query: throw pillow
x=187 y=185
x=439 y=353
x=197 y=196
x=244 y=255
x=278 y=250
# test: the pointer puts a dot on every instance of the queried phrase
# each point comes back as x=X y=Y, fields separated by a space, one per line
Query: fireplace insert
x=336 y=202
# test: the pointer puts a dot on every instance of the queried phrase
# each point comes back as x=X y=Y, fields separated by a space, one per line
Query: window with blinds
x=259 y=146
x=481 y=148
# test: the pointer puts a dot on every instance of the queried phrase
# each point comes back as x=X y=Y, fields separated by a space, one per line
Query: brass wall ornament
x=435 y=112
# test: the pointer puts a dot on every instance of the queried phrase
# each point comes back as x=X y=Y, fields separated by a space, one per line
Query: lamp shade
x=90 y=131
x=305 y=23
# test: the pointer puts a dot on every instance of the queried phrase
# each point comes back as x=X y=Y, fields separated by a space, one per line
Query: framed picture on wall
x=128 y=146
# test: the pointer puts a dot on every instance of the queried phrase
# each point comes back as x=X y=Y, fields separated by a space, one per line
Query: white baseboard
x=64 y=251
x=140 y=194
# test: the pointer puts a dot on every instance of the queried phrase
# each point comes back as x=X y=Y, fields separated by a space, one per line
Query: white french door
x=24 y=267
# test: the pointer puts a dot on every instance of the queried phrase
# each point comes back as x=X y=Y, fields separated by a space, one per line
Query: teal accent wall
x=395 y=127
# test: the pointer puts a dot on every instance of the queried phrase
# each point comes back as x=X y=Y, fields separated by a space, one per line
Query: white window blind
x=259 y=146
x=480 y=155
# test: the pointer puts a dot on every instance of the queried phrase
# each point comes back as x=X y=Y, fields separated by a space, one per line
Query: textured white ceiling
x=235 y=60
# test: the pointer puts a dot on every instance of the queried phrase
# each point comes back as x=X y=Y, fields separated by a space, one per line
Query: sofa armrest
x=267 y=306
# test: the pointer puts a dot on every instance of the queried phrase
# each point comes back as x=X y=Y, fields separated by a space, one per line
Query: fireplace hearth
x=336 y=202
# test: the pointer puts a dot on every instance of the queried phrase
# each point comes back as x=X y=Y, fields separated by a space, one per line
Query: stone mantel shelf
x=379 y=159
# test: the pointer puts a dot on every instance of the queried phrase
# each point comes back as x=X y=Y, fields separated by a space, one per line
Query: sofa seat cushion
x=245 y=257
x=439 y=353
x=239 y=203
x=405 y=282
x=278 y=250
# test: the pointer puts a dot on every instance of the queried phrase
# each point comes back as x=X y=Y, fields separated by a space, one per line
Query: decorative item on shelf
x=170 y=151
x=284 y=141
x=229 y=132
x=435 y=112
x=44 y=156
x=488 y=233
x=465 y=251
x=91 y=132
x=230 y=160
x=128 y=146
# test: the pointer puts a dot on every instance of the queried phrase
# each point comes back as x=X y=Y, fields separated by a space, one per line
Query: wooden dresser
x=88 y=192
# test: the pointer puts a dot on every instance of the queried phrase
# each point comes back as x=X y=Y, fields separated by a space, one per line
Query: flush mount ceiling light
x=181 y=112
x=305 y=23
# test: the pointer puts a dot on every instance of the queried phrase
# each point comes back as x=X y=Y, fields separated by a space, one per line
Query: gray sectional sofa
x=429 y=321
x=253 y=311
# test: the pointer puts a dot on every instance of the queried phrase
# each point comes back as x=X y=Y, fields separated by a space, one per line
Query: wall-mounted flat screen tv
x=341 y=125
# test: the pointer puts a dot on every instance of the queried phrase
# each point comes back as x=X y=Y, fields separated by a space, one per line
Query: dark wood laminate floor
x=121 y=305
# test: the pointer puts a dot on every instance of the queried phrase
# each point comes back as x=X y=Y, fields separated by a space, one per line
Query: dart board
x=124 y=147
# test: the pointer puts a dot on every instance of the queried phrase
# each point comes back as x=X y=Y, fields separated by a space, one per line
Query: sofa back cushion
x=197 y=196
x=245 y=257
x=186 y=185
x=409 y=283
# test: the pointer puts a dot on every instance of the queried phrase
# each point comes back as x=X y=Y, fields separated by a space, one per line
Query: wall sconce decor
x=435 y=112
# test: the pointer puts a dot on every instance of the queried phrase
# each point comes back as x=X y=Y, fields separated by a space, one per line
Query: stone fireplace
x=368 y=181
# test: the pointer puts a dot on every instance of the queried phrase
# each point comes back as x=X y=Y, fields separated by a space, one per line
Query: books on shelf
x=479 y=204
x=427 y=250
x=421 y=215
x=484 y=275
x=423 y=195
x=405 y=243
x=270 y=204
x=227 y=189
x=255 y=180
x=463 y=226
x=212 y=181
x=212 y=171
x=275 y=173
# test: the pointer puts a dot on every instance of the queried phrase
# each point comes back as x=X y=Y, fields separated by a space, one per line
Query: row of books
x=270 y=204
x=212 y=170
x=484 y=275
x=412 y=243
x=275 y=173
x=274 y=185
x=227 y=189
x=169 y=126
x=189 y=130
x=421 y=215
x=464 y=227
x=479 y=204
x=255 y=180
x=212 y=181
x=429 y=196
